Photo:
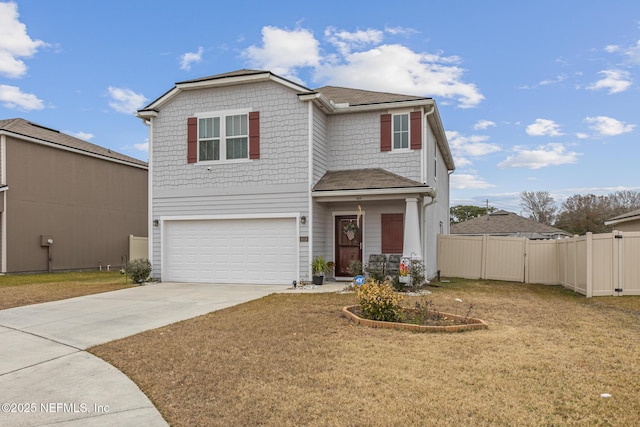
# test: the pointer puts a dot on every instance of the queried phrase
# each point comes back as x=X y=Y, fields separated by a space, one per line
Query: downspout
x=150 y=223
x=425 y=145
x=310 y=199
x=3 y=194
x=425 y=205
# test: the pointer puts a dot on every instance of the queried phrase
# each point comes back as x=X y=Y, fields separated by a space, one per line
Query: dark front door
x=348 y=243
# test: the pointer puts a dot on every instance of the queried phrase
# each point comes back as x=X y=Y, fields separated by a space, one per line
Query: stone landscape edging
x=474 y=324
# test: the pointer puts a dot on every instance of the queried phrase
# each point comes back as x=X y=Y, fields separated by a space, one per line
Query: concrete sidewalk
x=47 y=378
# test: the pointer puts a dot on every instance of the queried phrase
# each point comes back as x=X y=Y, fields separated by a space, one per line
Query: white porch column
x=411 y=245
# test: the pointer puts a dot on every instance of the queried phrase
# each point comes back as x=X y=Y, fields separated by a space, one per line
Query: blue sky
x=534 y=95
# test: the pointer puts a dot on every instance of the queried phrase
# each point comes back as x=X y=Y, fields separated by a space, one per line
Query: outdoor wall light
x=155 y=222
x=303 y=220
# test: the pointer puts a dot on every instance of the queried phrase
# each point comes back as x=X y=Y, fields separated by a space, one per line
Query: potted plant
x=319 y=267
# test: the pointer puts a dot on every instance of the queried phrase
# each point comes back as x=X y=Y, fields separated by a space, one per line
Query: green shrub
x=377 y=301
x=139 y=270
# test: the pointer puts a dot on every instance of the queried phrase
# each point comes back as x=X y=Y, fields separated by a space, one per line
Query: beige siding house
x=253 y=176
x=629 y=221
x=65 y=204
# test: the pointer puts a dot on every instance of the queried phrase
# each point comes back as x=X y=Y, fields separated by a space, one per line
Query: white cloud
x=14 y=42
x=190 y=58
x=82 y=135
x=483 y=124
x=463 y=146
x=582 y=135
x=545 y=155
x=612 y=48
x=469 y=181
x=12 y=97
x=142 y=147
x=125 y=100
x=474 y=145
x=361 y=61
x=560 y=78
x=608 y=126
x=615 y=80
x=461 y=162
x=544 y=127
x=396 y=68
x=346 y=42
x=633 y=53
x=400 y=30
x=283 y=51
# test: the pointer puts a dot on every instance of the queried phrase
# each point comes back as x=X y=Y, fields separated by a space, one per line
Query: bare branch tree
x=539 y=206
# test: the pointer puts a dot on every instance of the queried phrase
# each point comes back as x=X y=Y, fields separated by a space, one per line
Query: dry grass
x=25 y=289
x=291 y=360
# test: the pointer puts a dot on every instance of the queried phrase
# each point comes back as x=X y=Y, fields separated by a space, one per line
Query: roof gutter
x=319 y=99
x=618 y=221
x=376 y=192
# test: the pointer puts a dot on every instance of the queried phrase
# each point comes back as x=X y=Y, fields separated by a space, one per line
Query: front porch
x=363 y=212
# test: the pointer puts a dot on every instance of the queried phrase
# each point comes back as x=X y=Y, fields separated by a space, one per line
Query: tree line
x=577 y=214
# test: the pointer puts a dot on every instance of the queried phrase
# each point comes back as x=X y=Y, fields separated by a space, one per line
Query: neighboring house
x=252 y=176
x=503 y=223
x=629 y=221
x=65 y=204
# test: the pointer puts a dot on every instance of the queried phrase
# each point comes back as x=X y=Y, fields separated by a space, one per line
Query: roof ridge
x=56 y=137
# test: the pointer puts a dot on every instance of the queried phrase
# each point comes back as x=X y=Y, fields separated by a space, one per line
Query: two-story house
x=253 y=175
x=66 y=204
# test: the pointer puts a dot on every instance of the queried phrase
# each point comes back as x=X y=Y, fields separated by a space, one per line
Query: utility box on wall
x=46 y=240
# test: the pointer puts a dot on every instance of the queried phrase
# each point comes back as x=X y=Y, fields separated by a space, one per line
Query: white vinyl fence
x=592 y=265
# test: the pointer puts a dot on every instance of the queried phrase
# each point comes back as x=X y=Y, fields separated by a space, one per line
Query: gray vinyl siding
x=320 y=145
x=438 y=212
x=322 y=241
x=275 y=183
x=283 y=138
x=354 y=143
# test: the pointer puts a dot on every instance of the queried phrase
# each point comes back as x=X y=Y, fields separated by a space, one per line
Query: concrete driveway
x=47 y=378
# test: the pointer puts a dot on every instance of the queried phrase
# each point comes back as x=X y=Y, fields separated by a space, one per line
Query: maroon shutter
x=192 y=139
x=254 y=135
x=392 y=233
x=416 y=130
x=385 y=132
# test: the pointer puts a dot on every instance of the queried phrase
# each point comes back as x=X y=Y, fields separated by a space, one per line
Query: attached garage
x=242 y=250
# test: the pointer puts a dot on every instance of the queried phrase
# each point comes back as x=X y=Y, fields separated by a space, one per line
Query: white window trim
x=222 y=114
x=406 y=111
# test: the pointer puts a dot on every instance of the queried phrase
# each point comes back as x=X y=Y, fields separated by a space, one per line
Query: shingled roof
x=503 y=223
x=628 y=216
x=24 y=128
x=364 y=179
x=353 y=97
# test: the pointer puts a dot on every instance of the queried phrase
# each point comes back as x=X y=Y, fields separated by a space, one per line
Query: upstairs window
x=223 y=137
x=400 y=131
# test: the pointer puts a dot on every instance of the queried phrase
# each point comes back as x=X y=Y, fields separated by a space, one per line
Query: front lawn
x=548 y=357
x=24 y=289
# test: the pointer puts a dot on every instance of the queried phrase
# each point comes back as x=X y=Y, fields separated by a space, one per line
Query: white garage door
x=230 y=251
